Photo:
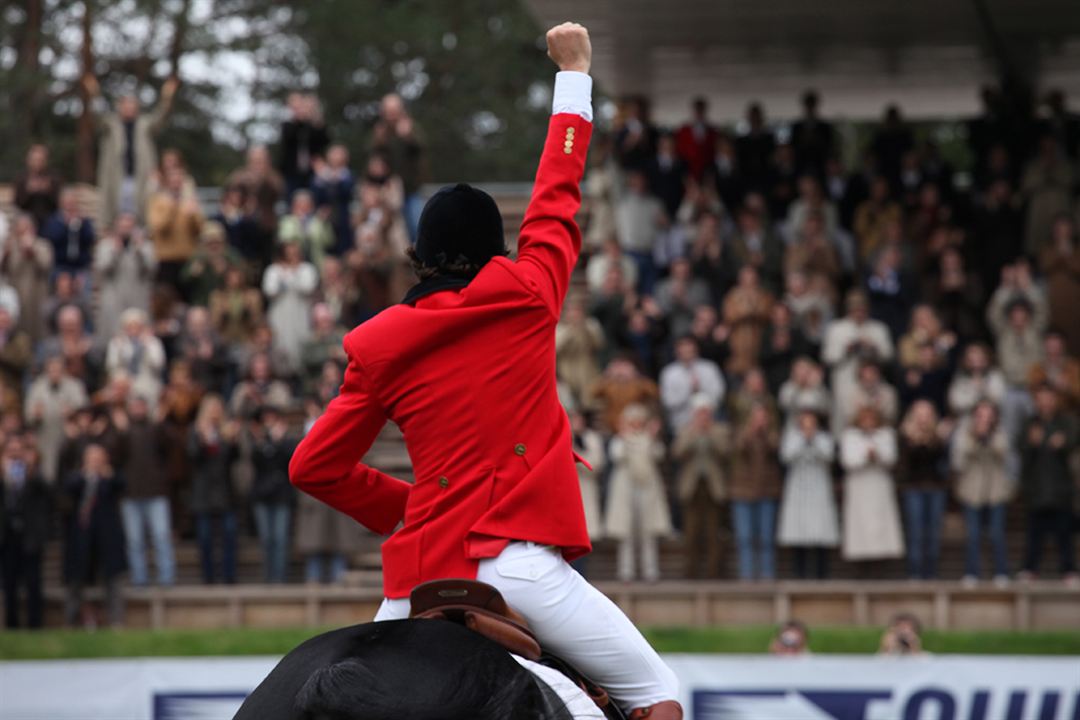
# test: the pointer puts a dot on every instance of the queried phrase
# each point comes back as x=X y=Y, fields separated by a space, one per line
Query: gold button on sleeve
x=519 y=449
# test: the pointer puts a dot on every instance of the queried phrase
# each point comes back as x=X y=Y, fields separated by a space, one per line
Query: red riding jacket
x=469 y=377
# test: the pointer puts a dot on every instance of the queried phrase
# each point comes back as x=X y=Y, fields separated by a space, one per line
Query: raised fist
x=569 y=46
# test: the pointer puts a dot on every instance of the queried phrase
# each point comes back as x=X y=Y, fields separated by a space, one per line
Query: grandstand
x=676 y=602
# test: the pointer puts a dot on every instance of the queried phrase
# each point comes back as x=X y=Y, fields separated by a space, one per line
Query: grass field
x=55 y=644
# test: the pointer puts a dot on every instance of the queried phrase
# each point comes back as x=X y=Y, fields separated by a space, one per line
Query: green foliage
x=55 y=644
x=473 y=72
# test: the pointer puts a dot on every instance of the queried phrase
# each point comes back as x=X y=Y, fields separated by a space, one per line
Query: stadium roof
x=929 y=55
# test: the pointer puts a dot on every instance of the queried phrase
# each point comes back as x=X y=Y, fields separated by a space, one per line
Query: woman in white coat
x=637 y=509
x=868 y=452
x=290 y=285
x=808 y=517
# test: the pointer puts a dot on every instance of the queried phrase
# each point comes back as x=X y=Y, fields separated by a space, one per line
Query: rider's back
x=469 y=376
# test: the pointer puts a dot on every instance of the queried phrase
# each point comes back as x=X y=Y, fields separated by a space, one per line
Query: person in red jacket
x=695 y=142
x=465 y=366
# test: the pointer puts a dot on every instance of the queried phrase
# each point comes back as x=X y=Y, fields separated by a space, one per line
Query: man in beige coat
x=702 y=449
x=127 y=152
x=25 y=262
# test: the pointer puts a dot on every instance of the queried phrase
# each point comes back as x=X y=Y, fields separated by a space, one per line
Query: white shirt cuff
x=573 y=94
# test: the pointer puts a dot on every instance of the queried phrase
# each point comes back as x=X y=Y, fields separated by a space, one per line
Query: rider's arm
x=549 y=240
x=327 y=466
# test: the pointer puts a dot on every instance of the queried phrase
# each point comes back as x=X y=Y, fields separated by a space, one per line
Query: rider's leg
x=393 y=610
x=577 y=622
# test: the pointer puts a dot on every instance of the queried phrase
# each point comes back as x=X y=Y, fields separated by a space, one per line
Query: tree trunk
x=28 y=61
x=84 y=134
x=180 y=29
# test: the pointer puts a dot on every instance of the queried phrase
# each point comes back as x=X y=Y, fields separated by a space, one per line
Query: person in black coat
x=94 y=536
x=997 y=234
x=891 y=142
x=242 y=229
x=71 y=235
x=891 y=291
x=212 y=449
x=666 y=173
x=781 y=344
x=335 y=188
x=812 y=138
x=755 y=150
x=272 y=494
x=303 y=138
x=25 y=513
x=928 y=379
x=922 y=474
x=1046 y=483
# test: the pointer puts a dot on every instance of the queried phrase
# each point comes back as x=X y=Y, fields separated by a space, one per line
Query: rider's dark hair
x=455 y=269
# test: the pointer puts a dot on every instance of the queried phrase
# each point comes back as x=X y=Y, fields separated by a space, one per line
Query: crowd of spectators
x=160 y=358
x=836 y=353
x=754 y=321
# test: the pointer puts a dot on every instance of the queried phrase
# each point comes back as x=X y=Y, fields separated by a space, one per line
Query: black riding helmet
x=460 y=225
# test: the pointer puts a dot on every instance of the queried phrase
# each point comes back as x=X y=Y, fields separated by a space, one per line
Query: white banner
x=715 y=687
x=870 y=688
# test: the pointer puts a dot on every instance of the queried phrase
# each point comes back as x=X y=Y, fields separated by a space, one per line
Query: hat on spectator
x=460 y=226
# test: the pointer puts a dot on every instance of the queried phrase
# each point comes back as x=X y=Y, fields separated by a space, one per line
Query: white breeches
x=574 y=621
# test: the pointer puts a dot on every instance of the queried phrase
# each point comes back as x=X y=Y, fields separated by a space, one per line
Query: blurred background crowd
x=764 y=349
x=830 y=356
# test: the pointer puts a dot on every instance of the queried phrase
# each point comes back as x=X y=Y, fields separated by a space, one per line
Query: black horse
x=402 y=670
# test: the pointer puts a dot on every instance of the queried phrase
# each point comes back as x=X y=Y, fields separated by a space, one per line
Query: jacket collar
x=433 y=285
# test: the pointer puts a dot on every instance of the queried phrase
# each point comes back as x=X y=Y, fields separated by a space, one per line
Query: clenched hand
x=569 y=46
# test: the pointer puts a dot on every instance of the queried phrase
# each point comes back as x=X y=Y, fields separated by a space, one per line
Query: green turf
x=865 y=640
x=55 y=644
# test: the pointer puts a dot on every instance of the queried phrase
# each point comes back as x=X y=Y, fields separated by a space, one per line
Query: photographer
x=791 y=640
x=903 y=637
x=272 y=494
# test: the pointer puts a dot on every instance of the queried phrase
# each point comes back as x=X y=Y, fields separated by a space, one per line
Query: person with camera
x=792 y=639
x=983 y=487
x=903 y=637
x=851 y=341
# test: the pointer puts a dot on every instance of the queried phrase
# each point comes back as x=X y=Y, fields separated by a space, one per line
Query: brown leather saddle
x=482 y=608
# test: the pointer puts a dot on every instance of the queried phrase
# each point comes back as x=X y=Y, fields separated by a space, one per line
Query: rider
x=465 y=366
